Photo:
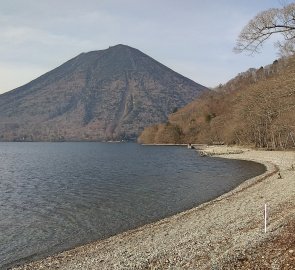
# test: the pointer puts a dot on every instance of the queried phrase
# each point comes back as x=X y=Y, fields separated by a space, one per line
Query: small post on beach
x=265 y=217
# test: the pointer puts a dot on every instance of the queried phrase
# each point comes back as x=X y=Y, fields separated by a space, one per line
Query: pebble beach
x=226 y=233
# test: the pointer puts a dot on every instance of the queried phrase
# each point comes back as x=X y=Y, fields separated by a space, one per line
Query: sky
x=193 y=37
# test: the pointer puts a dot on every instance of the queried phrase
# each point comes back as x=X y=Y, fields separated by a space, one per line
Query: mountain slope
x=101 y=95
x=256 y=108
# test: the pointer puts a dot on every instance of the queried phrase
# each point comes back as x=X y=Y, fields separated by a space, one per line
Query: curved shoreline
x=202 y=237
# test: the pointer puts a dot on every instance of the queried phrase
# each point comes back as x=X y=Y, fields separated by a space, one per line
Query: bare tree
x=272 y=21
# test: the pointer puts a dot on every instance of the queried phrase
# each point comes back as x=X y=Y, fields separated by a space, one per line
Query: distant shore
x=220 y=234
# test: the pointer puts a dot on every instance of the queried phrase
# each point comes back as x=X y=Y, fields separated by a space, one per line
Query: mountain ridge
x=107 y=94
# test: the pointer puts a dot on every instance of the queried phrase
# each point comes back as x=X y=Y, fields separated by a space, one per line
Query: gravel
x=220 y=234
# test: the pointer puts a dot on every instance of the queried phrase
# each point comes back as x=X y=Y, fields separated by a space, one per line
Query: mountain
x=108 y=94
x=256 y=108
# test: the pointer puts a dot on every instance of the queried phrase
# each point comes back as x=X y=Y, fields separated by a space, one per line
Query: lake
x=55 y=196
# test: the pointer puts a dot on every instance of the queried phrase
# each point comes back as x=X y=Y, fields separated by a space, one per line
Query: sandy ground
x=227 y=233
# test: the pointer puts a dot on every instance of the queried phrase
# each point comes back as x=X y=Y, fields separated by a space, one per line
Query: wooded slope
x=255 y=108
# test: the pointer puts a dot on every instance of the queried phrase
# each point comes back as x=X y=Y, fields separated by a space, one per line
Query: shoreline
x=210 y=235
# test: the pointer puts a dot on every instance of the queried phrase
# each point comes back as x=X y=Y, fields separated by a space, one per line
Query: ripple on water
x=54 y=196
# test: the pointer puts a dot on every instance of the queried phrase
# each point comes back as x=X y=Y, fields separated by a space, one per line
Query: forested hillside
x=255 y=108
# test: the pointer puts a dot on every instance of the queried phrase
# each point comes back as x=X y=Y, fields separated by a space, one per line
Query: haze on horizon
x=194 y=38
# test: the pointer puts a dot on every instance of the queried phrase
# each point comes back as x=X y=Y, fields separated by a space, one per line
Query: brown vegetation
x=255 y=108
x=275 y=253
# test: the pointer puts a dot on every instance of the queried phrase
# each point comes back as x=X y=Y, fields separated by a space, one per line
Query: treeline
x=256 y=108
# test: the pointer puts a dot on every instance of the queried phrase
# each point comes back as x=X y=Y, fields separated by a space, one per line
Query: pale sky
x=193 y=37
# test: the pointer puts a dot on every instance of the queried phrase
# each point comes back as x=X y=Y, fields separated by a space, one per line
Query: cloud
x=188 y=35
x=22 y=44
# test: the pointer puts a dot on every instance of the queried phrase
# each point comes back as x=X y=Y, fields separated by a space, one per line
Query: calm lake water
x=54 y=196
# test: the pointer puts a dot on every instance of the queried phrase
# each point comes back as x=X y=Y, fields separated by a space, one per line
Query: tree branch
x=265 y=24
